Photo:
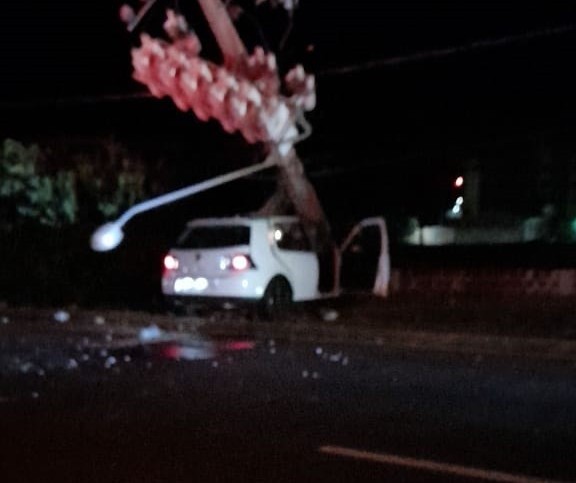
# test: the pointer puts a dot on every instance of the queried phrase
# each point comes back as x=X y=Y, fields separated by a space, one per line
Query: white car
x=228 y=260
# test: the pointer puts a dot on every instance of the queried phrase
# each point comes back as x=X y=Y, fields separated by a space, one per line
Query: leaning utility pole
x=244 y=94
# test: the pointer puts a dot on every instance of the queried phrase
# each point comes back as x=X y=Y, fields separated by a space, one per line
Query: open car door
x=365 y=259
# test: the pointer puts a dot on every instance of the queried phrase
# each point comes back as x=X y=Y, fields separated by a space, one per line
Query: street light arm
x=194 y=189
x=110 y=235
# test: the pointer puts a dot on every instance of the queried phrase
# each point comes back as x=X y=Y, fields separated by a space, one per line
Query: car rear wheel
x=277 y=299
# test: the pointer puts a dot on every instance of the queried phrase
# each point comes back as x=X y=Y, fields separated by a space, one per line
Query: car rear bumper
x=248 y=285
x=184 y=301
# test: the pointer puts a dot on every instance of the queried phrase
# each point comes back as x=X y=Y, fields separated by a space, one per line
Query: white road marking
x=432 y=466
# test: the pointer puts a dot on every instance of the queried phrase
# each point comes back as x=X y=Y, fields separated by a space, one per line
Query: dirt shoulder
x=532 y=329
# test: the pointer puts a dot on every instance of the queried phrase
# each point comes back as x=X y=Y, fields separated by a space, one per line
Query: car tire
x=277 y=300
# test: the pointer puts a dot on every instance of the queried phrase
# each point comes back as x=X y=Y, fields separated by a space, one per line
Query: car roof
x=241 y=220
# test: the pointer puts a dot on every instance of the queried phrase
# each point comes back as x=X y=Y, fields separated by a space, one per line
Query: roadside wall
x=487 y=282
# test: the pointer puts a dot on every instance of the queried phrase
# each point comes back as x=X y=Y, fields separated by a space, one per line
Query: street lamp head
x=107 y=237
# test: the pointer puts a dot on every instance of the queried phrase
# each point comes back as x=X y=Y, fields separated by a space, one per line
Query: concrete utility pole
x=224 y=31
x=293 y=181
x=244 y=95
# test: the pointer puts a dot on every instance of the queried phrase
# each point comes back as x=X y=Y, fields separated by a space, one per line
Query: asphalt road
x=245 y=410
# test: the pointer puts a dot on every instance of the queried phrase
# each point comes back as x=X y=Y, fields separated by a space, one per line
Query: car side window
x=291 y=236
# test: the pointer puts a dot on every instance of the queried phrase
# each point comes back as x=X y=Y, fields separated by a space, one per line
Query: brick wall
x=499 y=282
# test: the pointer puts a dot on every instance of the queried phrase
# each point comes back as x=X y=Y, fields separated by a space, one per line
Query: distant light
x=244 y=283
x=278 y=235
x=456 y=209
x=459 y=182
x=460 y=200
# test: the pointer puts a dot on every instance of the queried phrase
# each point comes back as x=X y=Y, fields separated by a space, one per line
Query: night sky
x=451 y=81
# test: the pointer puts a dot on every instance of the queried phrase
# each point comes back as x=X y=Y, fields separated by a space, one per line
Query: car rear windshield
x=214 y=237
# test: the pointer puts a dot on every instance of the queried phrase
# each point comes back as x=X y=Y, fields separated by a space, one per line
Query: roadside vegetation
x=51 y=198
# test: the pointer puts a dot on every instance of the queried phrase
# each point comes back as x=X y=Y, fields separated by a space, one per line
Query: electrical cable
x=330 y=72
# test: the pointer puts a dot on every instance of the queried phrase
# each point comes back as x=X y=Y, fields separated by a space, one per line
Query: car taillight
x=240 y=262
x=170 y=262
x=237 y=263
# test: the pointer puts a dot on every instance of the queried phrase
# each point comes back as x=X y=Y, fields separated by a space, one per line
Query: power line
x=448 y=51
x=74 y=100
x=329 y=72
